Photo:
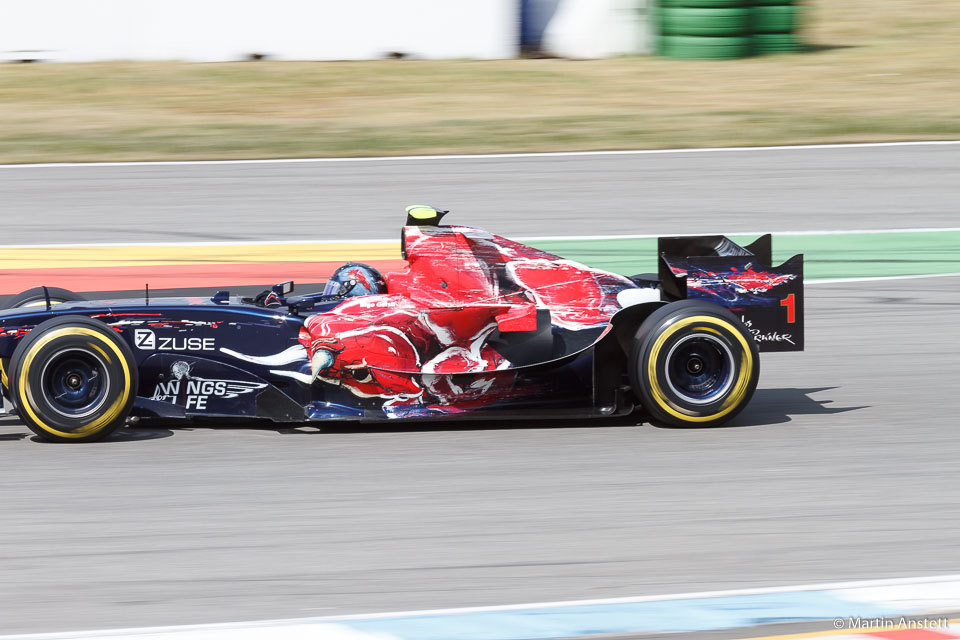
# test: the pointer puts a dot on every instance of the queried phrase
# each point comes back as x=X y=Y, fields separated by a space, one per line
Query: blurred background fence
x=222 y=30
x=225 y=30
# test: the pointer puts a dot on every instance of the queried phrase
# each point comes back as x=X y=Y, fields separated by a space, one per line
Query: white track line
x=857 y=584
x=261 y=243
x=879 y=278
x=829 y=586
x=484 y=156
x=817 y=232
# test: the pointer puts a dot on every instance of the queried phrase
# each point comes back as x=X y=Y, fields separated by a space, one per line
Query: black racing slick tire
x=4 y=383
x=73 y=379
x=36 y=298
x=693 y=364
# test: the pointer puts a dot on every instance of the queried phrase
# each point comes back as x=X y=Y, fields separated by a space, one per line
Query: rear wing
x=769 y=299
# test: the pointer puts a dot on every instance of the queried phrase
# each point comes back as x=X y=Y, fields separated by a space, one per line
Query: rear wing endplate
x=767 y=298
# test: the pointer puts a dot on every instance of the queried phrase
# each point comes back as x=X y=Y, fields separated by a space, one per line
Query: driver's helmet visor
x=333 y=288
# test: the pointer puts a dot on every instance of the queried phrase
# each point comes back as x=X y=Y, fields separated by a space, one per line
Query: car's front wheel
x=693 y=363
x=72 y=379
x=36 y=297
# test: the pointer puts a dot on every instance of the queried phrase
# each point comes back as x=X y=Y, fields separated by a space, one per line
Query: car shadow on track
x=475 y=425
x=154 y=429
x=6 y=422
x=404 y=426
x=777 y=406
x=768 y=407
x=127 y=434
x=20 y=432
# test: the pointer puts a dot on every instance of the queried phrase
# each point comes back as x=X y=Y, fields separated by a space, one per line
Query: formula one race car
x=476 y=326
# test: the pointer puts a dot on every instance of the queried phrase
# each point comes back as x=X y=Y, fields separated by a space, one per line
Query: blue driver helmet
x=355 y=279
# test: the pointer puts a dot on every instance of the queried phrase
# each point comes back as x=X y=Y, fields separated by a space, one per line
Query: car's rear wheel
x=36 y=297
x=693 y=363
x=72 y=379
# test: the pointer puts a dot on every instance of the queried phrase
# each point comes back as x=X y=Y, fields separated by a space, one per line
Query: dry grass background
x=877 y=70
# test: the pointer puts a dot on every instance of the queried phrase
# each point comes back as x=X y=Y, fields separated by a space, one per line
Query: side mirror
x=283 y=289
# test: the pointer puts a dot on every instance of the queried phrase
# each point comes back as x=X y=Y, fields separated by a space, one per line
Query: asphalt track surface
x=843 y=467
x=728 y=191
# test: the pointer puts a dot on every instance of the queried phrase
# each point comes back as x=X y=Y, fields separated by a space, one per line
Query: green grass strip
x=825 y=256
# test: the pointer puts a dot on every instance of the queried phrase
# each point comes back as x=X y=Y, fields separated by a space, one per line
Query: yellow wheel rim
x=736 y=394
x=25 y=393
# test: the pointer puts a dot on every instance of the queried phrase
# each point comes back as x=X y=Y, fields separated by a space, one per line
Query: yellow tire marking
x=3 y=375
x=102 y=352
x=739 y=389
x=26 y=394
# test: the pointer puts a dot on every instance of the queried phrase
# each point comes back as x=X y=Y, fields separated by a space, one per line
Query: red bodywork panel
x=460 y=286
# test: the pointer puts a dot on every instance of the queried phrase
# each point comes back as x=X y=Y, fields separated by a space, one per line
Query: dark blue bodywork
x=223 y=357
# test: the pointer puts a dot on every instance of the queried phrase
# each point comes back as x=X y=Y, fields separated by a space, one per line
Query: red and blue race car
x=475 y=326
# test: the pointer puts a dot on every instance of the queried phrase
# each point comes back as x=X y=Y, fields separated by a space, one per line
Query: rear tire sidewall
x=37 y=355
x=651 y=351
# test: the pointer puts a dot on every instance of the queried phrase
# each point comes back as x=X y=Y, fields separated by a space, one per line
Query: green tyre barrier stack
x=724 y=29
x=685 y=21
x=775 y=23
x=705 y=29
x=704 y=4
x=705 y=47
